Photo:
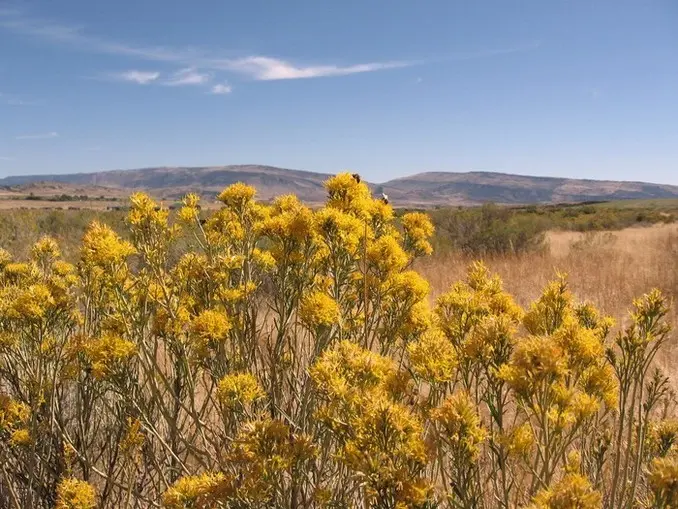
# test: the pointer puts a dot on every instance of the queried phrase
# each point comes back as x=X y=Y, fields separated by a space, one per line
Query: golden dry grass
x=608 y=269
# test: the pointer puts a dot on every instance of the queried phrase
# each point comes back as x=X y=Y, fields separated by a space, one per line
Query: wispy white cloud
x=268 y=68
x=198 y=63
x=39 y=136
x=134 y=76
x=221 y=89
x=95 y=148
x=256 y=67
x=188 y=76
x=5 y=158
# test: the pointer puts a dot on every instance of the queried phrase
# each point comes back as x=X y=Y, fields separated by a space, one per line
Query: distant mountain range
x=423 y=189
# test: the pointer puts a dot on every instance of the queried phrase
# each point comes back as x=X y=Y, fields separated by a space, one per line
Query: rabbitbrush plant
x=279 y=356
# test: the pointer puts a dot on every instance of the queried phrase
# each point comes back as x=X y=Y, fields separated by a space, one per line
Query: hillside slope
x=437 y=188
x=424 y=189
x=174 y=182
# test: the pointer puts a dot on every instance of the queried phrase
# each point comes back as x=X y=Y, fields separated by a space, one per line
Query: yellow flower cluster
x=378 y=438
x=460 y=426
x=101 y=246
x=317 y=309
x=346 y=194
x=75 y=494
x=207 y=330
x=662 y=437
x=107 y=354
x=432 y=358
x=386 y=449
x=239 y=389
x=418 y=230
x=133 y=440
x=237 y=196
x=264 y=453
x=194 y=491
x=573 y=491
x=663 y=481
x=13 y=419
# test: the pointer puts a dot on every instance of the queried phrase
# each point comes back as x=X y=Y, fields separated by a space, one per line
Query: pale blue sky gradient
x=573 y=88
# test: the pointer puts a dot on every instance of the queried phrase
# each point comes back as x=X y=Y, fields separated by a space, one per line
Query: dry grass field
x=608 y=269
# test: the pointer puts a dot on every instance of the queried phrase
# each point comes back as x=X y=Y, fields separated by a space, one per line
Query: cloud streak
x=221 y=89
x=39 y=136
x=197 y=63
x=268 y=69
x=188 y=76
x=257 y=67
x=5 y=158
x=134 y=76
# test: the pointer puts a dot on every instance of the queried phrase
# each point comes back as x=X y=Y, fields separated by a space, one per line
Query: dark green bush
x=487 y=230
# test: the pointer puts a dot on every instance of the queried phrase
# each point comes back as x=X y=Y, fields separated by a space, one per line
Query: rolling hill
x=424 y=189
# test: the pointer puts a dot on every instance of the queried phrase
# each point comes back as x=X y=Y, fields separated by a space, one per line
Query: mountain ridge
x=422 y=189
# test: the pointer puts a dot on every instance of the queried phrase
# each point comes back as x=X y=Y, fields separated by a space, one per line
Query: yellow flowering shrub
x=288 y=355
x=418 y=230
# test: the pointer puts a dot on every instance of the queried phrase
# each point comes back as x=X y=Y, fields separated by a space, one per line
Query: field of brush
x=343 y=356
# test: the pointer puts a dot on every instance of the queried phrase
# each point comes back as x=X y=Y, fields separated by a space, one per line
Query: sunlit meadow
x=290 y=357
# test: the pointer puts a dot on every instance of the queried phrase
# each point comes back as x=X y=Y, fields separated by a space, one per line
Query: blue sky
x=564 y=88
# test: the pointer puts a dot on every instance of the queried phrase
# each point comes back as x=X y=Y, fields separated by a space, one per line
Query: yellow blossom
x=193 y=491
x=317 y=309
x=418 y=231
x=386 y=255
x=133 y=440
x=102 y=246
x=21 y=437
x=145 y=213
x=237 y=195
x=405 y=287
x=75 y=494
x=209 y=329
x=662 y=437
x=5 y=258
x=345 y=193
x=32 y=302
x=460 y=425
x=432 y=358
x=13 y=415
x=547 y=313
x=340 y=230
x=190 y=211
x=108 y=353
x=572 y=492
x=536 y=360
x=520 y=440
x=663 y=481
x=239 y=389
x=45 y=249
x=224 y=226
